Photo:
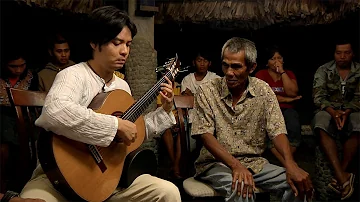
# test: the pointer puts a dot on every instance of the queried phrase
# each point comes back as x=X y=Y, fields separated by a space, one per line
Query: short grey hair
x=237 y=44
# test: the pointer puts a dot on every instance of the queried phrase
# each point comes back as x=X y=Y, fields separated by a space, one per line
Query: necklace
x=97 y=73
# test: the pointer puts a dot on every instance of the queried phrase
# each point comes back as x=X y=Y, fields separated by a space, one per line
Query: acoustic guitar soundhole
x=118 y=114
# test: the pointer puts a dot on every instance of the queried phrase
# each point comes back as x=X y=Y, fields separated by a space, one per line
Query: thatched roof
x=76 y=6
x=254 y=14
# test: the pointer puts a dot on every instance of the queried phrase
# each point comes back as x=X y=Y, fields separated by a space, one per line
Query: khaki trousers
x=144 y=188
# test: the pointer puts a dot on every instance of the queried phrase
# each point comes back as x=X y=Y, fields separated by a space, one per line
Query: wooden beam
x=149 y=8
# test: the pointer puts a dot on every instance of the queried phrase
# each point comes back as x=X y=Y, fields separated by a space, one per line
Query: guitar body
x=70 y=165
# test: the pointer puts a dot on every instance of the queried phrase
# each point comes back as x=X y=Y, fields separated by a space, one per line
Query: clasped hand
x=340 y=118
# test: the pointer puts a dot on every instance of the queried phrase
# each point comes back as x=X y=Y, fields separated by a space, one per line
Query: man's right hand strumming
x=127 y=132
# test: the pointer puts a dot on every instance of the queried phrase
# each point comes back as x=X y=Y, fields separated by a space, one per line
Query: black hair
x=106 y=22
x=270 y=52
x=9 y=55
x=202 y=53
x=56 y=39
x=342 y=41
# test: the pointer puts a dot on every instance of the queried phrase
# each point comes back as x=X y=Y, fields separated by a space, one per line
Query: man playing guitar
x=66 y=111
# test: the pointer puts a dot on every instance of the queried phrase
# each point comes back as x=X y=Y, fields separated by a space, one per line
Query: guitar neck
x=138 y=108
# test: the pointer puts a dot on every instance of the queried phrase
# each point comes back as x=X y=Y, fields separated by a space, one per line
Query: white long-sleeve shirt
x=65 y=110
x=190 y=82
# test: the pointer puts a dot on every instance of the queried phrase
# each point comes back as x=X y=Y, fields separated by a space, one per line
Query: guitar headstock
x=172 y=66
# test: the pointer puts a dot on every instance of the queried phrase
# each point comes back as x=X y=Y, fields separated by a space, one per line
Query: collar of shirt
x=225 y=92
x=355 y=67
x=106 y=88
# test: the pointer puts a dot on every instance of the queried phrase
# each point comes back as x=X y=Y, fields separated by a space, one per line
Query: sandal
x=334 y=186
x=350 y=183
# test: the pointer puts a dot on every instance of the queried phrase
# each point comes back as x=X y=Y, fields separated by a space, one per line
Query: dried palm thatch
x=254 y=14
x=76 y=6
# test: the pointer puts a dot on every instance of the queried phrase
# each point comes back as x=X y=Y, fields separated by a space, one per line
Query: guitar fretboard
x=138 y=108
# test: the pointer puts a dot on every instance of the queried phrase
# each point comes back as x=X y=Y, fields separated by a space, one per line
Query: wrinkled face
x=235 y=70
x=16 y=67
x=276 y=59
x=201 y=64
x=343 y=55
x=61 y=53
x=113 y=55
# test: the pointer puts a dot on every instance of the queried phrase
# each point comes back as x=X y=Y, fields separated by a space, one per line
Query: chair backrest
x=28 y=106
x=26 y=99
x=183 y=103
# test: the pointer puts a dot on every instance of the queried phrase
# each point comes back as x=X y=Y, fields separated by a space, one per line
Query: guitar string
x=139 y=105
x=151 y=93
x=146 y=96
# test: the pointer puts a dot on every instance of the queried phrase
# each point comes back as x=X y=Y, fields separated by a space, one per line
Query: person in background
x=59 y=51
x=174 y=149
x=191 y=82
x=14 y=74
x=283 y=83
x=120 y=75
x=336 y=94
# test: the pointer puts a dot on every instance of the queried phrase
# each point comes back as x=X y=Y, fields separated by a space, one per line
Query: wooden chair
x=182 y=105
x=197 y=190
x=28 y=106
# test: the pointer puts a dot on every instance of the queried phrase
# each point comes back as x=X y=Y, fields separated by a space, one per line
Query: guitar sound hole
x=118 y=114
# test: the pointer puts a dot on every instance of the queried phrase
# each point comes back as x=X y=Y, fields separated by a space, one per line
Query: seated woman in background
x=14 y=74
x=284 y=84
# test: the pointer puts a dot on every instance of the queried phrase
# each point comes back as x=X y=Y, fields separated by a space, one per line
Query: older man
x=233 y=116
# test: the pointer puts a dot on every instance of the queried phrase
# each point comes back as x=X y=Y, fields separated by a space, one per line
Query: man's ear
x=93 y=46
x=193 y=62
x=50 y=52
x=209 y=63
x=253 y=68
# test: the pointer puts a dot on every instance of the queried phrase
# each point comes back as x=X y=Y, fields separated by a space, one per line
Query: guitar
x=87 y=172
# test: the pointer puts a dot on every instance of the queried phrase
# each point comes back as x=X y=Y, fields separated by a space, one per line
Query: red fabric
x=13 y=81
x=278 y=86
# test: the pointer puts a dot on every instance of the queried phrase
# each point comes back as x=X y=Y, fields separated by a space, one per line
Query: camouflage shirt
x=242 y=129
x=330 y=91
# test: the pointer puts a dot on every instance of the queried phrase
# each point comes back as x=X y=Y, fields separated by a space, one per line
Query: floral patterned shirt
x=242 y=129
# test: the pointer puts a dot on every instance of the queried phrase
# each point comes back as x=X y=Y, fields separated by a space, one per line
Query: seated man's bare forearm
x=329 y=110
x=282 y=144
x=218 y=151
